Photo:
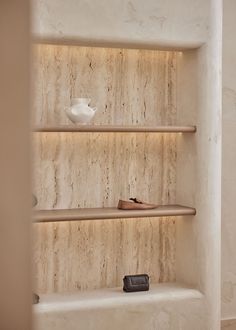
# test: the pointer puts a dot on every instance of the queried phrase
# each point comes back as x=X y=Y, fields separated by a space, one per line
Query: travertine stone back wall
x=96 y=169
x=96 y=254
x=128 y=86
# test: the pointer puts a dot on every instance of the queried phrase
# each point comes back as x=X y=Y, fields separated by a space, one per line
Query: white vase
x=80 y=111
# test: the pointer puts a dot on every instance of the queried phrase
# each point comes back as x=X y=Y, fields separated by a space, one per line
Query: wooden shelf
x=110 y=213
x=117 y=128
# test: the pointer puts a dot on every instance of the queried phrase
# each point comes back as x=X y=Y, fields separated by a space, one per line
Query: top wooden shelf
x=116 y=128
x=55 y=215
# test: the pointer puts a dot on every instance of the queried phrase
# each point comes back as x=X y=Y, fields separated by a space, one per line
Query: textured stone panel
x=96 y=169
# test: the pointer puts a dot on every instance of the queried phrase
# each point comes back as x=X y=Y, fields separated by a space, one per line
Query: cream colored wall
x=82 y=170
x=148 y=23
x=229 y=162
x=198 y=178
x=187 y=267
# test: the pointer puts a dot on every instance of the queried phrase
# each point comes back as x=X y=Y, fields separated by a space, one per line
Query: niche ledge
x=100 y=308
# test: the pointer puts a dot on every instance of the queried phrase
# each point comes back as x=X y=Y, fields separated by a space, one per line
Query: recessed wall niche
x=129 y=87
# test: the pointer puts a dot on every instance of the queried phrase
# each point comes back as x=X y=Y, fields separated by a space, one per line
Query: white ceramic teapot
x=80 y=111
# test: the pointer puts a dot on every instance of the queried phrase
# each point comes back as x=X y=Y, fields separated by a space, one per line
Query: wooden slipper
x=135 y=204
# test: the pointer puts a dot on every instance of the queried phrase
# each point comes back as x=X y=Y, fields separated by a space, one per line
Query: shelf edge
x=116 y=128
x=109 y=214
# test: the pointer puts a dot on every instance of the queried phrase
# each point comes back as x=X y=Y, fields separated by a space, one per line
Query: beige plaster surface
x=171 y=307
x=181 y=23
x=201 y=180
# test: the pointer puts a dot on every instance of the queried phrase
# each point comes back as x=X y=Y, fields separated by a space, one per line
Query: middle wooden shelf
x=109 y=213
x=116 y=128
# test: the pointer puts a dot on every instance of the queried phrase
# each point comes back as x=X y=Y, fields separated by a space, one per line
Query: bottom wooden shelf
x=109 y=213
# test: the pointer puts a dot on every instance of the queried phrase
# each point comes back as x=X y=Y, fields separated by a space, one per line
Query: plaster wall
x=165 y=307
x=228 y=163
x=199 y=170
x=181 y=23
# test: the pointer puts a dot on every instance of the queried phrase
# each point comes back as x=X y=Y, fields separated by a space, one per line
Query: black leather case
x=134 y=283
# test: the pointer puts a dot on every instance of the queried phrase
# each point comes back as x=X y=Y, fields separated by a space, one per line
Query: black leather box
x=134 y=283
